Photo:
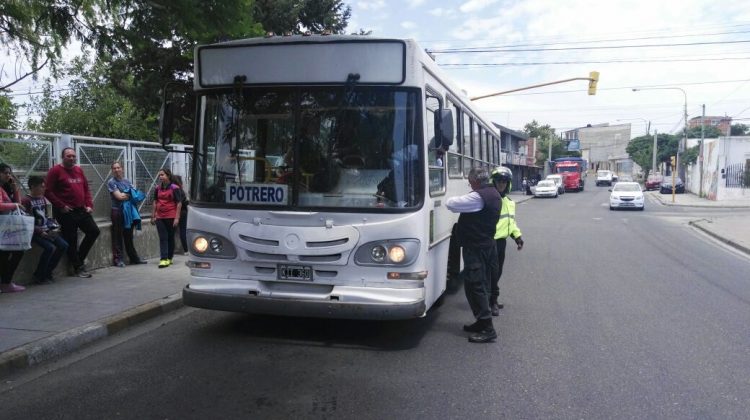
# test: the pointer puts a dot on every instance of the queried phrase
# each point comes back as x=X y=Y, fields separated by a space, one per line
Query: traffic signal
x=672 y=161
x=593 y=80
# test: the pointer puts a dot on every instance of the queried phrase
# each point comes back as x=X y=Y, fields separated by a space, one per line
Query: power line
x=610 y=47
x=542 y=63
x=603 y=40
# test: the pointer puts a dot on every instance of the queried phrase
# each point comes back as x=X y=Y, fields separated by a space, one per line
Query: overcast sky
x=704 y=49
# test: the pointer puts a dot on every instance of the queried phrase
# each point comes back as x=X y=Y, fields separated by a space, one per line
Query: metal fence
x=33 y=153
x=737 y=175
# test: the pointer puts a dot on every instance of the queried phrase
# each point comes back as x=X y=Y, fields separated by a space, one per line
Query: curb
x=697 y=224
x=54 y=346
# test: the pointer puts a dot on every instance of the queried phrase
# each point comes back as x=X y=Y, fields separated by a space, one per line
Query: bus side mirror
x=166 y=123
x=445 y=128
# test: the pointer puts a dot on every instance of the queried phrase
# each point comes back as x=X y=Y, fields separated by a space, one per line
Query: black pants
x=70 y=222
x=120 y=236
x=479 y=266
x=9 y=261
x=183 y=231
x=454 y=254
x=495 y=292
x=166 y=238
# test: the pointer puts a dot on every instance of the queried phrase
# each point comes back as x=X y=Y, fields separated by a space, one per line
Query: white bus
x=321 y=168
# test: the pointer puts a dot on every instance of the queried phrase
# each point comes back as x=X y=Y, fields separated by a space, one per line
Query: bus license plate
x=295 y=272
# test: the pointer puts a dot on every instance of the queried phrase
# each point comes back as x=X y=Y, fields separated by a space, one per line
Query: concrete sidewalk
x=733 y=230
x=46 y=322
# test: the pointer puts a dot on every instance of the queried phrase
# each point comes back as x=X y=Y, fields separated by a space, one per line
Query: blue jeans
x=52 y=252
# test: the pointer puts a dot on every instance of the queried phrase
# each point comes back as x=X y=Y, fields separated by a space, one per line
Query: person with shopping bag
x=46 y=231
x=15 y=231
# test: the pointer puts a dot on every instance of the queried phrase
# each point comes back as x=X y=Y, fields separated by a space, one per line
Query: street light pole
x=682 y=146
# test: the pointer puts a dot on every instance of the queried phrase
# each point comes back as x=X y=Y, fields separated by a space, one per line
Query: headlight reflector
x=378 y=253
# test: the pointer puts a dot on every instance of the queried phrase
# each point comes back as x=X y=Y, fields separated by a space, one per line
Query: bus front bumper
x=342 y=302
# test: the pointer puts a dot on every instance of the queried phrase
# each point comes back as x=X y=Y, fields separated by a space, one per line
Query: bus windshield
x=310 y=147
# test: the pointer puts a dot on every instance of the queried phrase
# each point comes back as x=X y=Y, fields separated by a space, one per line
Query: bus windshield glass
x=567 y=169
x=310 y=147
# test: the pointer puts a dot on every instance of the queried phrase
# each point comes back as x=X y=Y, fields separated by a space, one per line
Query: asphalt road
x=620 y=314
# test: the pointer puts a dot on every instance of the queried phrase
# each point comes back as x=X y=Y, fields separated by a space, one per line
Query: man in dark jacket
x=480 y=211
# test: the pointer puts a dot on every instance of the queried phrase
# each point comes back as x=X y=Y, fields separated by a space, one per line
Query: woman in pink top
x=9 y=259
x=166 y=217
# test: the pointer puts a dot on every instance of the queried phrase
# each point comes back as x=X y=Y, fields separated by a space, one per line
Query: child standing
x=166 y=217
x=46 y=231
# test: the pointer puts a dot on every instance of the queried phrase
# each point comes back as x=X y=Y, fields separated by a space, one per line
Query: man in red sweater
x=68 y=190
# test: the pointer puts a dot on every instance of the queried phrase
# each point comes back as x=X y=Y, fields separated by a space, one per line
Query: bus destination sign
x=268 y=194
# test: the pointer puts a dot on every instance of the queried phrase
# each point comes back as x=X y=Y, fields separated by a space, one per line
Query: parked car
x=603 y=177
x=653 y=182
x=615 y=177
x=626 y=195
x=666 y=186
x=558 y=180
x=545 y=188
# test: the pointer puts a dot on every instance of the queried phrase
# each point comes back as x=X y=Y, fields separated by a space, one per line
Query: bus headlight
x=397 y=254
x=394 y=252
x=200 y=245
x=205 y=244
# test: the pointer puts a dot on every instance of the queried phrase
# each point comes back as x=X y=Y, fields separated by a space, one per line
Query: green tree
x=91 y=107
x=544 y=135
x=38 y=30
x=710 y=132
x=8 y=112
x=640 y=149
x=689 y=156
x=298 y=16
x=740 y=130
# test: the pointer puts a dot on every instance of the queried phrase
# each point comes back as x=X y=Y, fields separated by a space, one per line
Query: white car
x=626 y=195
x=546 y=188
x=603 y=177
x=558 y=180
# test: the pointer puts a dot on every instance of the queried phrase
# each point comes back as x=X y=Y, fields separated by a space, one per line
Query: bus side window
x=453 y=155
x=435 y=155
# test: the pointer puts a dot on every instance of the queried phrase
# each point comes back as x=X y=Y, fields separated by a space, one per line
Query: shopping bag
x=16 y=230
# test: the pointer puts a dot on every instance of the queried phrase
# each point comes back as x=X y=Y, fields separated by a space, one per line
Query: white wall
x=717 y=154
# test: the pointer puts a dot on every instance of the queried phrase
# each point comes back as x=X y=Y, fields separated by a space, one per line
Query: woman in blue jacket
x=121 y=191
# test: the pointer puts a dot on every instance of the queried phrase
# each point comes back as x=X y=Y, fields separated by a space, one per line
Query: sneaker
x=186 y=253
x=11 y=288
x=170 y=261
x=50 y=278
x=139 y=261
x=163 y=263
x=81 y=272
x=120 y=264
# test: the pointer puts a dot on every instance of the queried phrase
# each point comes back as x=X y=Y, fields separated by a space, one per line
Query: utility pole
x=653 y=156
x=700 y=152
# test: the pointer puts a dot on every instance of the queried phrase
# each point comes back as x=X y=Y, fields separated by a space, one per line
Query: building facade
x=724 y=124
